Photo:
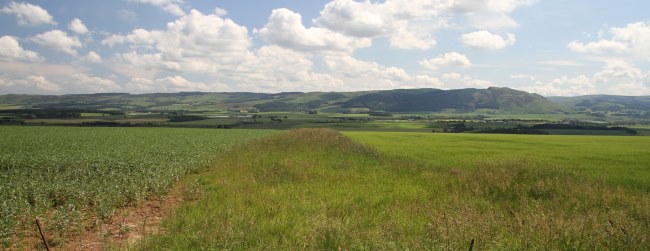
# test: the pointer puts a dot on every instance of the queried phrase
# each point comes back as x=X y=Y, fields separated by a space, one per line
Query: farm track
x=129 y=225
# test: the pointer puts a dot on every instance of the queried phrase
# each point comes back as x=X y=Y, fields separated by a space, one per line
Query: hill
x=404 y=100
x=605 y=103
x=462 y=100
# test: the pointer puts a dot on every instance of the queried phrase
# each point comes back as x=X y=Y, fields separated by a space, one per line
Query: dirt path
x=128 y=225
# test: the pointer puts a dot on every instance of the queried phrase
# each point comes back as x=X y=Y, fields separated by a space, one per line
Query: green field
x=316 y=189
x=621 y=161
x=67 y=175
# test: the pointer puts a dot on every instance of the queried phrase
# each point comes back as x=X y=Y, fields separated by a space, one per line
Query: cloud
x=564 y=86
x=424 y=81
x=494 y=6
x=174 y=83
x=411 y=24
x=84 y=83
x=365 y=75
x=522 y=76
x=351 y=67
x=138 y=37
x=10 y=50
x=28 y=14
x=29 y=85
x=456 y=80
x=57 y=40
x=372 y=20
x=602 y=46
x=142 y=65
x=171 y=6
x=195 y=43
x=74 y=83
x=127 y=16
x=564 y=63
x=297 y=73
x=22 y=69
x=285 y=28
x=77 y=26
x=352 y=18
x=404 y=38
x=486 y=40
x=489 y=14
x=194 y=35
x=633 y=39
x=620 y=72
x=220 y=12
x=617 y=77
x=448 y=59
x=92 y=57
x=178 y=83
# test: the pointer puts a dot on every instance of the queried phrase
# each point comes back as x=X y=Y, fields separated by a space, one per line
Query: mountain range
x=499 y=99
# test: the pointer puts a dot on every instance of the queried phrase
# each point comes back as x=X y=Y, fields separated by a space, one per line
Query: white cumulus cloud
x=77 y=26
x=58 y=40
x=10 y=50
x=285 y=28
x=39 y=83
x=486 y=40
x=447 y=59
x=489 y=14
x=456 y=80
x=425 y=81
x=87 y=83
x=616 y=77
x=28 y=14
x=92 y=57
x=411 y=24
x=633 y=39
x=359 y=19
x=406 y=30
x=171 y=6
x=195 y=43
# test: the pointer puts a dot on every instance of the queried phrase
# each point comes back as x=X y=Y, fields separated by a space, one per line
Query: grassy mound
x=316 y=189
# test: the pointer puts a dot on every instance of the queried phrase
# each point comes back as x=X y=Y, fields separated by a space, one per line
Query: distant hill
x=462 y=100
x=403 y=100
x=605 y=103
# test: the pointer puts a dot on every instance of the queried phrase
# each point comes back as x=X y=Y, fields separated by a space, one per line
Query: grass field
x=621 y=161
x=316 y=189
x=67 y=175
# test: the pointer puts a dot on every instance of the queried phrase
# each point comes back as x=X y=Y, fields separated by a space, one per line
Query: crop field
x=317 y=189
x=620 y=161
x=66 y=175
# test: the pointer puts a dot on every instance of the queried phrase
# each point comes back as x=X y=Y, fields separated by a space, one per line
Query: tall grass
x=316 y=189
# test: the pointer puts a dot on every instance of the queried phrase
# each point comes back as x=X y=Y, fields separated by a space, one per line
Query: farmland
x=70 y=175
x=323 y=189
x=317 y=189
x=620 y=161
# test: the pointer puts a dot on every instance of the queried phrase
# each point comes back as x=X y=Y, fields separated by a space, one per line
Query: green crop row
x=69 y=175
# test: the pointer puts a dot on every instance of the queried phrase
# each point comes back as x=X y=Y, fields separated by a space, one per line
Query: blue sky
x=550 y=47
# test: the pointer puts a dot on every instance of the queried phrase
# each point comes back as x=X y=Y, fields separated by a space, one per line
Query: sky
x=549 y=47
